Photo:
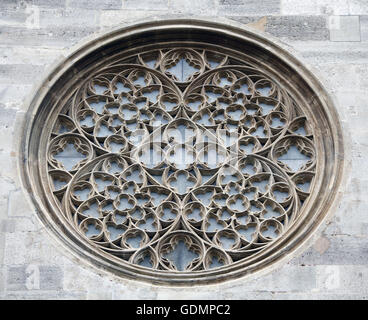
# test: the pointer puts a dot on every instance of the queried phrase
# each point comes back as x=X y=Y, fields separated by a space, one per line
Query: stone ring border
x=316 y=210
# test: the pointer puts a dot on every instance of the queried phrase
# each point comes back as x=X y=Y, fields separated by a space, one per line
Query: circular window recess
x=182 y=152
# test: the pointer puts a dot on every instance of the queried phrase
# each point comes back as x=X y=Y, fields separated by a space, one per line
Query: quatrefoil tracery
x=184 y=159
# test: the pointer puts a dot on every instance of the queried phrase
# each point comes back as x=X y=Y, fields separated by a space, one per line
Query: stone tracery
x=181 y=159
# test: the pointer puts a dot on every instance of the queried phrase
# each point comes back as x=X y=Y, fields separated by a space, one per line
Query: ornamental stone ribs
x=181 y=158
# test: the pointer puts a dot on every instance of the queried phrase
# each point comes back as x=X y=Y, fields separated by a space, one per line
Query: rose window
x=180 y=158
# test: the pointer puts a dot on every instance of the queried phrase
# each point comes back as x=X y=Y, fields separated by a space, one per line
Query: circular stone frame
x=329 y=169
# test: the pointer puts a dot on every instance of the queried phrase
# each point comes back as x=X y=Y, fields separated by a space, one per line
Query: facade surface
x=331 y=38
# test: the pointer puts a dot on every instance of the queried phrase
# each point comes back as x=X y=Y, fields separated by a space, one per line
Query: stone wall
x=331 y=36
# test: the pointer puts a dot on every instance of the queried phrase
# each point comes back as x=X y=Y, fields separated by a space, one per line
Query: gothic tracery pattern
x=181 y=159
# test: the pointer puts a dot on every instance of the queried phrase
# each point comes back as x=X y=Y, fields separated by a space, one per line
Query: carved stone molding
x=182 y=152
